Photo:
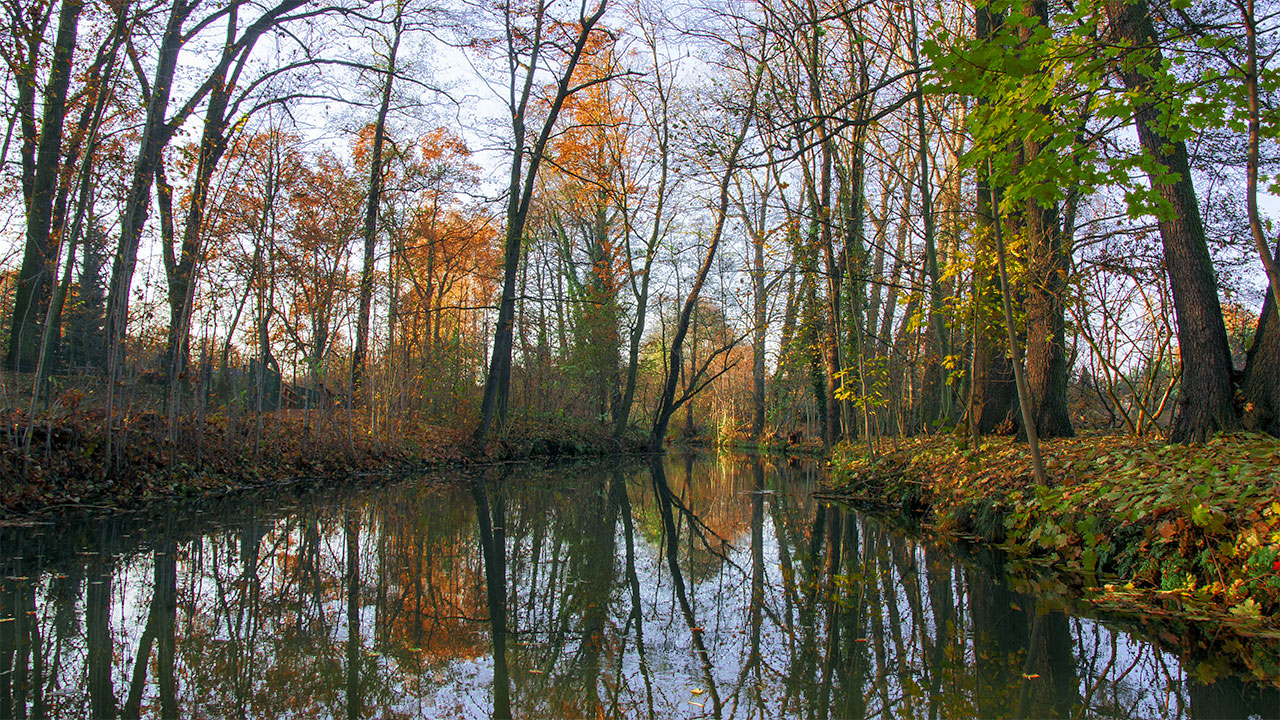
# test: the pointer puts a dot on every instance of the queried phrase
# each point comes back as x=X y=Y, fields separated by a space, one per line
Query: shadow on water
x=695 y=586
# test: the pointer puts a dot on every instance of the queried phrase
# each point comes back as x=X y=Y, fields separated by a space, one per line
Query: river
x=697 y=586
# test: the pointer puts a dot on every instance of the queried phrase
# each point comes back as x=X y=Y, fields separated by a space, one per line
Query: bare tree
x=731 y=156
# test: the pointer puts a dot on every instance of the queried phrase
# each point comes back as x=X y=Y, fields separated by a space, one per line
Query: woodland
x=380 y=223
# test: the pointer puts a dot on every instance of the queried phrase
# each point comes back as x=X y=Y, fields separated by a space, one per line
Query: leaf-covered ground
x=1187 y=536
x=70 y=464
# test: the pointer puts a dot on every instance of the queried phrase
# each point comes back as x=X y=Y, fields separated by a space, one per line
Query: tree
x=1205 y=396
x=731 y=139
x=1262 y=370
x=443 y=264
x=587 y=190
x=1048 y=259
x=1025 y=401
x=654 y=101
x=1261 y=388
x=325 y=203
x=84 y=346
x=1023 y=147
x=358 y=357
x=753 y=205
x=530 y=41
x=159 y=128
x=232 y=101
x=40 y=256
x=993 y=390
x=937 y=385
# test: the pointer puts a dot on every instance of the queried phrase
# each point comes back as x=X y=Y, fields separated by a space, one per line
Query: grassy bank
x=1185 y=536
x=69 y=463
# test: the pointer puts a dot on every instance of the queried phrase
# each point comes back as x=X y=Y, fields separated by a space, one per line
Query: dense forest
x=776 y=219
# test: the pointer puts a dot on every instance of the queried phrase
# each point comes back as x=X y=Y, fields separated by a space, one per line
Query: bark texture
x=1261 y=388
x=1047 y=367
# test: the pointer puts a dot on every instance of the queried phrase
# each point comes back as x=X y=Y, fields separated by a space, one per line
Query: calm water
x=697 y=587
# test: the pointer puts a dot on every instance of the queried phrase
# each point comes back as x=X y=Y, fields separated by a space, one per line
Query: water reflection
x=691 y=587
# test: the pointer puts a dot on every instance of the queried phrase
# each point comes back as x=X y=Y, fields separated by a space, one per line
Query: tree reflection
x=1000 y=642
x=164 y=603
x=158 y=631
x=712 y=587
x=351 y=532
x=491 y=518
x=671 y=543
x=97 y=618
x=751 y=669
x=635 y=614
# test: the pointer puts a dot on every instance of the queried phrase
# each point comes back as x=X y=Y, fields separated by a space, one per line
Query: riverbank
x=794 y=445
x=70 y=465
x=1185 y=536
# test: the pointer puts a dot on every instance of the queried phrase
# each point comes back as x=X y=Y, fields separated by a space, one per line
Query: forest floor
x=1182 y=538
x=69 y=465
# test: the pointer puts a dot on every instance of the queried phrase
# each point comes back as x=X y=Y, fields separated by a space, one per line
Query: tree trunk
x=992 y=390
x=76 y=176
x=1269 y=262
x=830 y=322
x=180 y=265
x=29 y=23
x=1047 y=368
x=622 y=415
x=360 y=354
x=1026 y=404
x=937 y=399
x=872 y=321
x=853 y=181
x=811 y=340
x=40 y=256
x=155 y=136
x=760 y=329
x=1261 y=388
x=884 y=328
x=820 y=190
x=1205 y=394
x=598 y=328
